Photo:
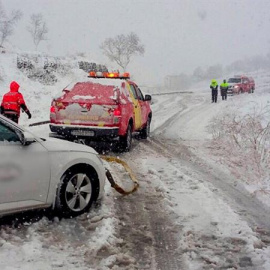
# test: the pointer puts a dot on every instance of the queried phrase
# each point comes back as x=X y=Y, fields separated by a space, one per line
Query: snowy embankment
x=37 y=95
x=241 y=138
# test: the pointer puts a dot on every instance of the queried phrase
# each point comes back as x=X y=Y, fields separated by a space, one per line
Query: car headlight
x=236 y=86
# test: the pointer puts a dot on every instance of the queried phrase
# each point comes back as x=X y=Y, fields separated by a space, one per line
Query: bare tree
x=122 y=48
x=7 y=23
x=38 y=28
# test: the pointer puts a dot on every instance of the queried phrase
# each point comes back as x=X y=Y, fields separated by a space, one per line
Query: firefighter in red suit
x=12 y=103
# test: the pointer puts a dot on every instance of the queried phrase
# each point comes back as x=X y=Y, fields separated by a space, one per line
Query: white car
x=45 y=172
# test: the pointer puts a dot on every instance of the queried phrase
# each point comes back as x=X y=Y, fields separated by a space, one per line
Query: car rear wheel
x=75 y=194
x=146 y=130
x=126 y=140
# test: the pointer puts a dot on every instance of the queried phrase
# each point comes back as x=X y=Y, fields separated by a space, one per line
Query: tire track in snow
x=250 y=208
x=186 y=106
x=213 y=249
x=147 y=228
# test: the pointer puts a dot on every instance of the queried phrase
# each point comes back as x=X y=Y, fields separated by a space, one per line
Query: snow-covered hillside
x=38 y=96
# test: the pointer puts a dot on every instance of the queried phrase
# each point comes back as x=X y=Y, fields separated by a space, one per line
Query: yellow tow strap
x=127 y=168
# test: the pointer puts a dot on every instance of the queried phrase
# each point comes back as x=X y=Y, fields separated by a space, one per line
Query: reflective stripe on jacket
x=224 y=86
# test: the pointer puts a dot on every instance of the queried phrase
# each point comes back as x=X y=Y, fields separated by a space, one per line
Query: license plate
x=82 y=132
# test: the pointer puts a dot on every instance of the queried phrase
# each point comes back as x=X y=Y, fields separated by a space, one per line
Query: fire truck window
x=139 y=93
x=133 y=91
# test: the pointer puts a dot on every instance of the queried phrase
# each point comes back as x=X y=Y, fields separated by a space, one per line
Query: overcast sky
x=178 y=35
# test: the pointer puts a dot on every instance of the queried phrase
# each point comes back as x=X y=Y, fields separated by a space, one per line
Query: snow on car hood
x=56 y=145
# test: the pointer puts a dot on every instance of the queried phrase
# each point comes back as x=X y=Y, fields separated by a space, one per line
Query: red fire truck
x=104 y=106
x=240 y=84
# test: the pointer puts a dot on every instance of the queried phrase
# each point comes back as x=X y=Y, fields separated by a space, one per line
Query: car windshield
x=234 y=80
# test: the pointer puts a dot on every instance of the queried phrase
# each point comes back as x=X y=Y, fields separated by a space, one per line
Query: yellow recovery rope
x=127 y=168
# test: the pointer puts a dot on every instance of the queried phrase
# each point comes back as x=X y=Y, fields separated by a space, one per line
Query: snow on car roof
x=113 y=84
x=103 y=81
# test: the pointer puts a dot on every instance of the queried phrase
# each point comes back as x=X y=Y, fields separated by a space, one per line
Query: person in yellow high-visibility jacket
x=214 y=87
x=223 y=89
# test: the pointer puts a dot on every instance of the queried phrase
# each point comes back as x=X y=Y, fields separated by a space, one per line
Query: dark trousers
x=214 y=95
x=224 y=94
x=12 y=116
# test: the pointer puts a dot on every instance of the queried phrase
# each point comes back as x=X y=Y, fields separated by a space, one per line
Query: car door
x=143 y=104
x=24 y=170
x=136 y=106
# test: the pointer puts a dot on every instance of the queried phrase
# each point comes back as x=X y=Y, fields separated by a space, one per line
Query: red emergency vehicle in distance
x=104 y=106
x=240 y=84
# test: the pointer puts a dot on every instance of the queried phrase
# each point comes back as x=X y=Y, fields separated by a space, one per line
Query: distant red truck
x=241 y=84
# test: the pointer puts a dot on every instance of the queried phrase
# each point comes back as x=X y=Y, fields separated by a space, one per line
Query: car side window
x=133 y=91
x=7 y=134
x=139 y=93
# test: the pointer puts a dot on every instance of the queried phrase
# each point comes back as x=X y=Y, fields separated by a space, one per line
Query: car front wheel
x=75 y=194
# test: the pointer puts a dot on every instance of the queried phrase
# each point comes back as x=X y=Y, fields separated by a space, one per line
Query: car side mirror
x=147 y=98
x=27 y=138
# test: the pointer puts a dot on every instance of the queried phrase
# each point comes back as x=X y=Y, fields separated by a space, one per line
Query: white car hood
x=56 y=145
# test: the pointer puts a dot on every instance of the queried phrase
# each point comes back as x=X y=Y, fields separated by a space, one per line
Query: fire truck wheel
x=126 y=140
x=146 y=130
